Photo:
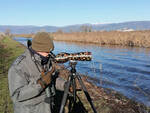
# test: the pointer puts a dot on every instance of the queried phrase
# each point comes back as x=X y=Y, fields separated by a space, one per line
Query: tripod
x=71 y=82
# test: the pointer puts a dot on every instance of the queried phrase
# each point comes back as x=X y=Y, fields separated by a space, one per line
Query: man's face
x=45 y=54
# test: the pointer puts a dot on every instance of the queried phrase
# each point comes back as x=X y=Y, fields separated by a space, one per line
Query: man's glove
x=45 y=78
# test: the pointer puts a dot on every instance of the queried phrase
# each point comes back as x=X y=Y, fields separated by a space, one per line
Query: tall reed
x=134 y=38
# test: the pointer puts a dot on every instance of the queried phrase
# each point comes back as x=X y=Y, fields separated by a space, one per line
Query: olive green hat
x=42 y=42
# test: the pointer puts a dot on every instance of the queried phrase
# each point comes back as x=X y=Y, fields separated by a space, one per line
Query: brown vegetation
x=24 y=35
x=134 y=38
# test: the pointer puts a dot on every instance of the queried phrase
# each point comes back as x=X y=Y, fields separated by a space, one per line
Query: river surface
x=124 y=69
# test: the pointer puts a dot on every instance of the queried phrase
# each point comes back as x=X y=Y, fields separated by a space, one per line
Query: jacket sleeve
x=21 y=89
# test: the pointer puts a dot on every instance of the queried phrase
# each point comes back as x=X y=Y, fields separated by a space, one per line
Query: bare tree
x=86 y=28
x=60 y=31
x=7 y=32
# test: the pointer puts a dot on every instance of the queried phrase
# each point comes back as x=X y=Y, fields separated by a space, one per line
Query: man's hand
x=46 y=78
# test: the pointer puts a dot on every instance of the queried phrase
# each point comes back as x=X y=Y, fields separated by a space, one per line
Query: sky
x=69 y=12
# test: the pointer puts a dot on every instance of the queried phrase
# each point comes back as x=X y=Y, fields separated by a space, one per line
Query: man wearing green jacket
x=28 y=78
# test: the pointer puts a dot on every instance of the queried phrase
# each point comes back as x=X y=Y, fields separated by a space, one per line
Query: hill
x=135 y=25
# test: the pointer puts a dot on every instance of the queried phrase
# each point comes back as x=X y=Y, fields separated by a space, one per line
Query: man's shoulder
x=18 y=63
x=19 y=59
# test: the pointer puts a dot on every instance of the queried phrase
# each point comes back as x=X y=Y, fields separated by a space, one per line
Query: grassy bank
x=9 y=50
x=110 y=102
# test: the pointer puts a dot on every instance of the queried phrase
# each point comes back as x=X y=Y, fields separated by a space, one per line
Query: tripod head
x=73 y=64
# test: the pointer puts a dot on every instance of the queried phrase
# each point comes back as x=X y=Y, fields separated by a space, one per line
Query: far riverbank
x=132 y=38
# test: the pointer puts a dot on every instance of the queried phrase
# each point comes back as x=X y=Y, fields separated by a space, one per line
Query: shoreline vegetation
x=132 y=38
x=105 y=101
x=9 y=50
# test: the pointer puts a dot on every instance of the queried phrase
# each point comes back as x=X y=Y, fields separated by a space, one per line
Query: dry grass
x=24 y=35
x=134 y=38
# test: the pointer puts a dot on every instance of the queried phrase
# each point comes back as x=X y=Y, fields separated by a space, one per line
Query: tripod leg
x=66 y=90
x=74 y=89
x=86 y=93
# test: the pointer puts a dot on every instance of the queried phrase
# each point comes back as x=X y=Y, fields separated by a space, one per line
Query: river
x=124 y=69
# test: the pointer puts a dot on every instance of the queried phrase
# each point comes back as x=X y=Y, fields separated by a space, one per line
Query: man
x=30 y=75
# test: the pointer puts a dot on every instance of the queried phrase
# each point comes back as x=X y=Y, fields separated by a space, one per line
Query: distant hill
x=136 y=25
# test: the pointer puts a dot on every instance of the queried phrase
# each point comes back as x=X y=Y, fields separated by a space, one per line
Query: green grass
x=9 y=50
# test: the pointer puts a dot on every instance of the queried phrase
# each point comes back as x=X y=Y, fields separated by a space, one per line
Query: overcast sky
x=68 y=12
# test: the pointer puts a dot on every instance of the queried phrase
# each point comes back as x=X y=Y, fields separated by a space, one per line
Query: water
x=124 y=69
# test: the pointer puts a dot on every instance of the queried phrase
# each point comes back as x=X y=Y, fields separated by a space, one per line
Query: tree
x=59 y=31
x=86 y=28
x=7 y=32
